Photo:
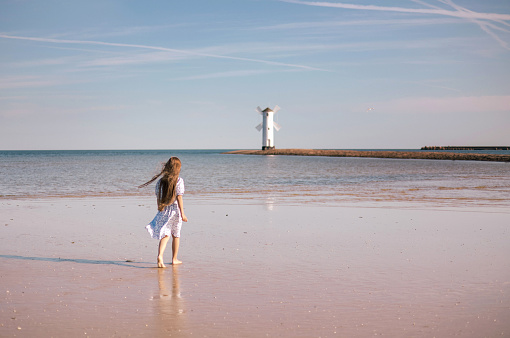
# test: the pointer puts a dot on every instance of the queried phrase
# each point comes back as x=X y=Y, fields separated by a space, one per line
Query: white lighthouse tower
x=267 y=126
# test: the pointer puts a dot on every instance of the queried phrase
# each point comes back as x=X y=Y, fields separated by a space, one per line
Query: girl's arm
x=181 y=208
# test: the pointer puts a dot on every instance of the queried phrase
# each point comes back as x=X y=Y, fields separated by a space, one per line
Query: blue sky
x=126 y=74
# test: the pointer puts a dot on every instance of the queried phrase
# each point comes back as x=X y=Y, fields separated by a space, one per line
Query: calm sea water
x=209 y=174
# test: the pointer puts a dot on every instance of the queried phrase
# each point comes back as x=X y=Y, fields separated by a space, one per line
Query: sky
x=353 y=74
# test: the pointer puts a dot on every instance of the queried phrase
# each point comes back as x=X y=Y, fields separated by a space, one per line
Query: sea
x=211 y=175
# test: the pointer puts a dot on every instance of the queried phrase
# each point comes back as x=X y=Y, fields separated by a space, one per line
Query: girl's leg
x=161 y=250
x=175 y=250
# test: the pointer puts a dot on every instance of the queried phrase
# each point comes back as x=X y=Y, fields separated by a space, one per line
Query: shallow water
x=275 y=179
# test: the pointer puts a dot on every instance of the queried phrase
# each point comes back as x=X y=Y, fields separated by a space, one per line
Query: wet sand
x=86 y=267
x=425 y=155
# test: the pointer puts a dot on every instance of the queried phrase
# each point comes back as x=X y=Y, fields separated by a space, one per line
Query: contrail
x=460 y=12
x=457 y=14
x=483 y=25
x=114 y=44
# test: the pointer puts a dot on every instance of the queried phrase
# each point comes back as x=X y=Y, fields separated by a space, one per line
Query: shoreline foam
x=378 y=154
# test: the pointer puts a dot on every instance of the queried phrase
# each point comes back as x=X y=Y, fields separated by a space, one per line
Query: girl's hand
x=181 y=208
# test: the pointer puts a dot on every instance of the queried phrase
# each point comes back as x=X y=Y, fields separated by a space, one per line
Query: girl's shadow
x=127 y=263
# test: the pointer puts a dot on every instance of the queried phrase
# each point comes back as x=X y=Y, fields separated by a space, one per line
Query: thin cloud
x=178 y=51
x=380 y=22
x=25 y=109
x=133 y=59
x=486 y=27
x=43 y=62
x=457 y=14
x=432 y=85
x=237 y=73
x=445 y=105
x=122 y=31
x=24 y=82
x=14 y=98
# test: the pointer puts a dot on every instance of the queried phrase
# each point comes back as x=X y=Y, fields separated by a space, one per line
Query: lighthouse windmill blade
x=259 y=110
x=276 y=126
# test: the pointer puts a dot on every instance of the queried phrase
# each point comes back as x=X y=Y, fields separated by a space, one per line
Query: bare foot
x=176 y=261
x=160 y=263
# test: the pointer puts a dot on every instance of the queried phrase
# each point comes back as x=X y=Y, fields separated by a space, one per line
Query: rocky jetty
x=428 y=155
x=466 y=148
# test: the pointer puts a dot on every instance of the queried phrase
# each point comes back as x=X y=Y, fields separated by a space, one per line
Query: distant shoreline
x=426 y=155
x=466 y=148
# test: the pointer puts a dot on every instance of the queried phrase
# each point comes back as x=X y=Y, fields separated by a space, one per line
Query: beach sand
x=87 y=267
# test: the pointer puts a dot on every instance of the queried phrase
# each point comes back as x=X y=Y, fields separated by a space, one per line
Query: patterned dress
x=167 y=222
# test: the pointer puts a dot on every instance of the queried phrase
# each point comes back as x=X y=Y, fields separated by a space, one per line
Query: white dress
x=167 y=222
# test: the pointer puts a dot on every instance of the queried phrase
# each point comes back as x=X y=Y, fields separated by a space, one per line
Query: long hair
x=167 y=188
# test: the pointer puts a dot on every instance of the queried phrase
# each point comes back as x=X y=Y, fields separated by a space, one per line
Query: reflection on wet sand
x=169 y=307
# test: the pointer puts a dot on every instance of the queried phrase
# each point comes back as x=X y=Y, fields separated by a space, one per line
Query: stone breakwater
x=378 y=154
x=465 y=148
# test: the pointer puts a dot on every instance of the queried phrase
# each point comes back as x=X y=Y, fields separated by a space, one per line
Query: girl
x=168 y=220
